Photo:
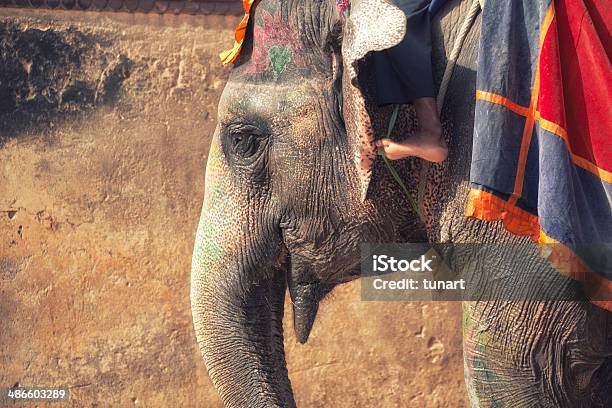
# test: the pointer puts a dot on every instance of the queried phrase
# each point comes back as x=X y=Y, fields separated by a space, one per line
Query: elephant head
x=288 y=200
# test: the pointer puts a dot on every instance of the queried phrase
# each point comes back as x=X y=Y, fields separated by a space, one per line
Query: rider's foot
x=426 y=143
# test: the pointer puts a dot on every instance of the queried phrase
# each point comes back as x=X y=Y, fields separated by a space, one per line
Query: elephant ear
x=371 y=25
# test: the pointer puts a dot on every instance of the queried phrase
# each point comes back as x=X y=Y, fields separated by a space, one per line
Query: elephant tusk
x=304 y=314
x=305 y=297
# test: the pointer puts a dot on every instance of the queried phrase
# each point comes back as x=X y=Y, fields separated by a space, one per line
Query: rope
x=446 y=78
x=454 y=56
x=392 y=169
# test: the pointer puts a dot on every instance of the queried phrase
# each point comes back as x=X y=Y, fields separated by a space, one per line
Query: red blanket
x=542 y=157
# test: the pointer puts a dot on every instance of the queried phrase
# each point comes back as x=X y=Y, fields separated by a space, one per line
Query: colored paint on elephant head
x=279 y=57
x=276 y=44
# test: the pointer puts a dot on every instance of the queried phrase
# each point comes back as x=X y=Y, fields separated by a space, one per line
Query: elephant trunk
x=239 y=330
x=238 y=286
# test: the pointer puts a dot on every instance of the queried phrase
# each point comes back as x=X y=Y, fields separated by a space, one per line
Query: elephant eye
x=245 y=145
x=243 y=141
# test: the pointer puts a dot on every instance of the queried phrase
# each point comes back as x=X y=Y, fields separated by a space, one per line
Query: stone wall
x=105 y=122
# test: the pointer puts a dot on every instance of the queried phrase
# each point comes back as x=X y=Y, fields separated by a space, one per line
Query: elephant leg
x=537 y=354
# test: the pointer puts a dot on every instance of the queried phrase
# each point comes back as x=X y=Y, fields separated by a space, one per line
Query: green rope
x=391 y=168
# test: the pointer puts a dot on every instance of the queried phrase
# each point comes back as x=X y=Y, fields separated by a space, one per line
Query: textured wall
x=105 y=122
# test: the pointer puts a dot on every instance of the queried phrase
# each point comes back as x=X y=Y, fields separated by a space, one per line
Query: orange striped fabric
x=485 y=206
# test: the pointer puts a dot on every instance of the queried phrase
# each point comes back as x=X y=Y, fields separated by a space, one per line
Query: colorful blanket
x=542 y=155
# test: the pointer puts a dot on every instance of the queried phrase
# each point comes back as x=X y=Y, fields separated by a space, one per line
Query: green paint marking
x=479 y=376
x=210 y=248
x=280 y=57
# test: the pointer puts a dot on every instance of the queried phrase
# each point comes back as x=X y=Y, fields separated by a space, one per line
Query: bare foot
x=426 y=144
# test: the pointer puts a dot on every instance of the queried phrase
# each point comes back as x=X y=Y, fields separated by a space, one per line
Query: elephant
x=293 y=186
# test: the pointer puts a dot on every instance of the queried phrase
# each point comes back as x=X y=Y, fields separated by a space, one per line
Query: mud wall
x=105 y=121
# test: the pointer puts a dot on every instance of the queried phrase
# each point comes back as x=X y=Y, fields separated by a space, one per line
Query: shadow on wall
x=50 y=75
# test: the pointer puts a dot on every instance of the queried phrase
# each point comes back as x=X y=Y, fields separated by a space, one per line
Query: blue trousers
x=404 y=73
